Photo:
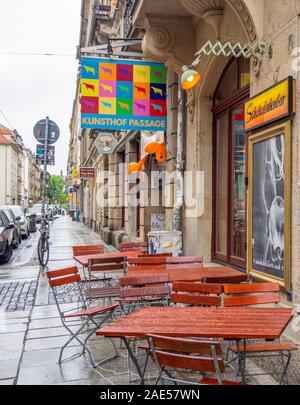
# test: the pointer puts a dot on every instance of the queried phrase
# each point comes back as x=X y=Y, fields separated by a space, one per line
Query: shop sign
x=87 y=173
x=123 y=95
x=272 y=105
x=75 y=174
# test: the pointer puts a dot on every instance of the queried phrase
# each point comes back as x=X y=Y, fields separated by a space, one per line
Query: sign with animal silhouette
x=123 y=95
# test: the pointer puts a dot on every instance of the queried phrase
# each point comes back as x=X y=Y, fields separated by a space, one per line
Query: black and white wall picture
x=268 y=176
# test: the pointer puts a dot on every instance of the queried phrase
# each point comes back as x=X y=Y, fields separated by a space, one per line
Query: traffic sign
x=40 y=151
x=72 y=190
x=39 y=132
x=50 y=160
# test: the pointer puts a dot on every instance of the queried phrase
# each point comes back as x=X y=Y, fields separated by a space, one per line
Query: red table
x=83 y=260
x=187 y=273
x=227 y=323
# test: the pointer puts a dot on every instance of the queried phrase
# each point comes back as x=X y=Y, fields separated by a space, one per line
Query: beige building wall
x=174 y=41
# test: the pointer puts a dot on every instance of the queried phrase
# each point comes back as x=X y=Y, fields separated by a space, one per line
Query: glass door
x=238 y=206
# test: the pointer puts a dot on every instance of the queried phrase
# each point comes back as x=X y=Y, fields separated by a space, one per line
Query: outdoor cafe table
x=186 y=273
x=84 y=260
x=236 y=324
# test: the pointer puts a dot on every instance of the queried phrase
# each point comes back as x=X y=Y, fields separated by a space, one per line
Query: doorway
x=229 y=165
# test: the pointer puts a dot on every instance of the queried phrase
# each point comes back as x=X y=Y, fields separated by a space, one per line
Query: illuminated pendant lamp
x=189 y=78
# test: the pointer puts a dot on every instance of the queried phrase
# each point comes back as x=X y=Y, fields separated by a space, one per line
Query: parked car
x=24 y=221
x=6 y=237
x=14 y=220
x=37 y=211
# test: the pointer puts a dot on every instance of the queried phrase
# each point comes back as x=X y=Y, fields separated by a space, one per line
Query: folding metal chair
x=69 y=278
x=202 y=356
x=108 y=288
x=137 y=292
x=237 y=295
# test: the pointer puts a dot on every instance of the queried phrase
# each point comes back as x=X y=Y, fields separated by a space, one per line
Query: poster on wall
x=158 y=222
x=269 y=204
x=123 y=95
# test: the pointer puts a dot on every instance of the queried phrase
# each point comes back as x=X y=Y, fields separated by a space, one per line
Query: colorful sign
x=87 y=173
x=123 y=95
x=273 y=104
x=75 y=174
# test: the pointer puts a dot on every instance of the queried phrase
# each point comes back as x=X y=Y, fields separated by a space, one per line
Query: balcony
x=129 y=7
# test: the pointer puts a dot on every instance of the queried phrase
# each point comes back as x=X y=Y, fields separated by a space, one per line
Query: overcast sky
x=32 y=87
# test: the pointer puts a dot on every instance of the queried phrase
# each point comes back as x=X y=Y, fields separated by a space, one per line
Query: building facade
x=238 y=156
x=20 y=184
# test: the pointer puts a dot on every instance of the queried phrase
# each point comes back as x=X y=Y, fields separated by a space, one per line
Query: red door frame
x=227 y=107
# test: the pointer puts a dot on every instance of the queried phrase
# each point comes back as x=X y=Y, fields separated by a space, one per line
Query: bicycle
x=43 y=244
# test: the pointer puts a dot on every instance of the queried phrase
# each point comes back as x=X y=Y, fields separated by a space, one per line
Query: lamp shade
x=189 y=78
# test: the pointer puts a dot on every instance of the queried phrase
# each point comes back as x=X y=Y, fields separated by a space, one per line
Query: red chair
x=58 y=280
x=199 y=294
x=136 y=292
x=240 y=295
x=203 y=356
x=109 y=286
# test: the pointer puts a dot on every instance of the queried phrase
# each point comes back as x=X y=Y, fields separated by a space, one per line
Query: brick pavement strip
x=18 y=295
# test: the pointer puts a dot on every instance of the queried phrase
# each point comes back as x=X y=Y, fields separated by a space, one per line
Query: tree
x=57 y=190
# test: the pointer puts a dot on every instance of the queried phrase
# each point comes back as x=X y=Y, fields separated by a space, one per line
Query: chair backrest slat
x=251 y=288
x=147 y=269
x=185 y=260
x=63 y=272
x=181 y=353
x=128 y=245
x=146 y=280
x=251 y=294
x=106 y=267
x=187 y=362
x=183 y=345
x=87 y=250
x=140 y=292
x=64 y=280
x=147 y=261
x=107 y=264
x=241 y=300
x=156 y=255
x=194 y=299
x=227 y=280
x=109 y=260
x=204 y=288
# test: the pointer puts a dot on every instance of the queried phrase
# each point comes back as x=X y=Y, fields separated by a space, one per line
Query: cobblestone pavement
x=31 y=335
x=18 y=295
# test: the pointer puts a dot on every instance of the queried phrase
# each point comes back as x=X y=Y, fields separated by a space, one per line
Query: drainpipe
x=180 y=163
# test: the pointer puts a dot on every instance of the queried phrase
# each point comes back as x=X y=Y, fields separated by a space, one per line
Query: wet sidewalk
x=30 y=339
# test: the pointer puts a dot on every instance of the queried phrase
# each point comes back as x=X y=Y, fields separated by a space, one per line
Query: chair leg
x=73 y=336
x=285 y=368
